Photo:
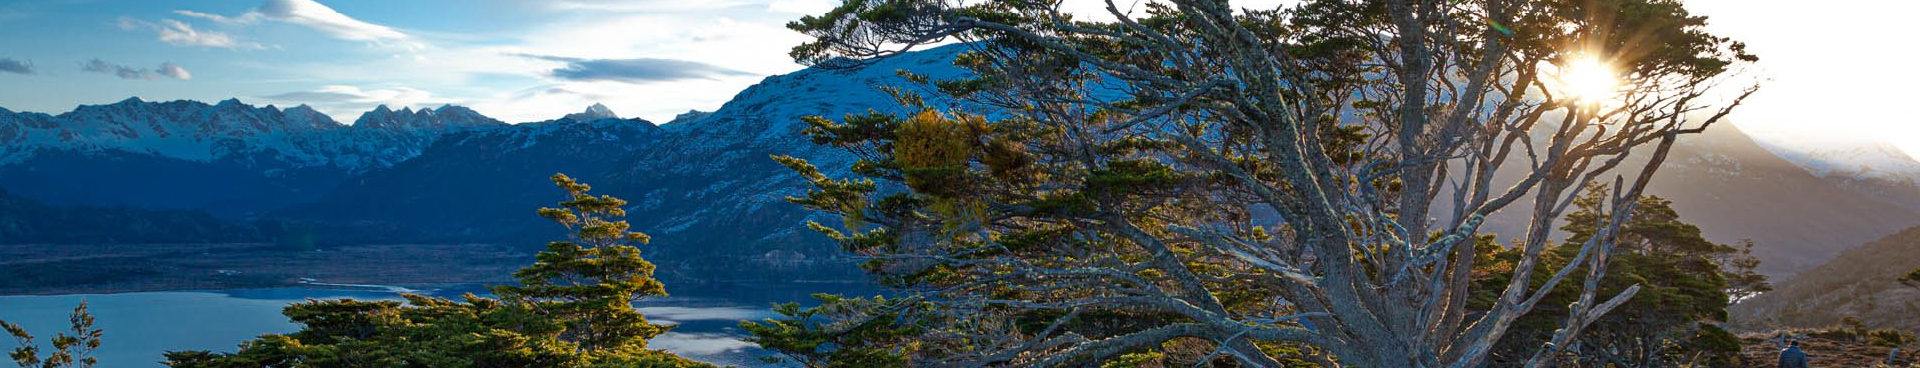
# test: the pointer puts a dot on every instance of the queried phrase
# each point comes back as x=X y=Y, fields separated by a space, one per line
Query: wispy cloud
x=347 y=102
x=318 y=17
x=9 y=65
x=808 y=7
x=645 y=6
x=166 y=70
x=179 y=33
x=331 y=22
x=243 y=19
x=171 y=70
x=641 y=70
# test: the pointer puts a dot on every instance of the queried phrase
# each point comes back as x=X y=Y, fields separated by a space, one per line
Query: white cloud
x=171 y=70
x=640 y=70
x=179 y=33
x=483 y=72
x=243 y=19
x=754 y=47
x=318 y=17
x=807 y=7
x=645 y=6
x=326 y=20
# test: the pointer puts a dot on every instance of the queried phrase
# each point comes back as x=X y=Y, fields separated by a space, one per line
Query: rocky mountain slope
x=1859 y=283
x=1735 y=189
x=703 y=185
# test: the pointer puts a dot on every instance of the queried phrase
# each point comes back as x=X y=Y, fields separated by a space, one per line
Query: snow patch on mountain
x=595 y=112
x=267 y=138
x=1835 y=156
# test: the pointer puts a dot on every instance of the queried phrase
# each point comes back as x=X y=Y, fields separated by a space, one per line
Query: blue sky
x=514 y=60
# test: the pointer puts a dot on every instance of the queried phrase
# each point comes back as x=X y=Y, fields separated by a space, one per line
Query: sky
x=1832 y=74
x=514 y=60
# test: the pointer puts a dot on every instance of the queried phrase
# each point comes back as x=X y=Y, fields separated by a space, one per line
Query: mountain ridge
x=704 y=186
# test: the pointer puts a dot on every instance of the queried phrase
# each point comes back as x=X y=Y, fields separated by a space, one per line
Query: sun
x=1587 y=79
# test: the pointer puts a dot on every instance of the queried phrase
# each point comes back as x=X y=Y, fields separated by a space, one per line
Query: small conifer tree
x=572 y=308
x=71 y=349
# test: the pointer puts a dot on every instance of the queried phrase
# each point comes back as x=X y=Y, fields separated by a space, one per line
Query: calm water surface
x=141 y=326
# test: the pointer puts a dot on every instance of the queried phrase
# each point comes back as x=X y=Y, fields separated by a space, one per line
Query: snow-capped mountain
x=446 y=117
x=229 y=158
x=1862 y=159
x=1878 y=160
x=297 y=137
x=595 y=112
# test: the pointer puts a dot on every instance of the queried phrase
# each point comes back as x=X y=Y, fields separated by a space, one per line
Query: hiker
x=1792 y=357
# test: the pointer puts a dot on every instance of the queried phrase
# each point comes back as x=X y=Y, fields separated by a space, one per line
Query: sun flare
x=1587 y=79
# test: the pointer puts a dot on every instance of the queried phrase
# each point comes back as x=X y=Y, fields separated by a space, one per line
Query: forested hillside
x=24 y=221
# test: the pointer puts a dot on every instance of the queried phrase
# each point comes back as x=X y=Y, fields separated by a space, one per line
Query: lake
x=140 y=326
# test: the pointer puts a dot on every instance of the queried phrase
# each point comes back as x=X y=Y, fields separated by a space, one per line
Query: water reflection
x=141 y=326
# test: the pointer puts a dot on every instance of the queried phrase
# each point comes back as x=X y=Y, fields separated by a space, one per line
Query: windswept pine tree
x=572 y=308
x=1185 y=182
x=1676 y=318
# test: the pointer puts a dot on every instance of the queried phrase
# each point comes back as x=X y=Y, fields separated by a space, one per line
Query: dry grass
x=1826 y=349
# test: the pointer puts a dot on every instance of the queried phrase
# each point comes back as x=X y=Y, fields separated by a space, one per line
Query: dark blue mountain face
x=702 y=185
x=477 y=186
x=24 y=220
x=231 y=190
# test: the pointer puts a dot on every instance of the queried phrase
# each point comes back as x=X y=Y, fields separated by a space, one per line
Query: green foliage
x=1676 y=316
x=71 y=349
x=572 y=308
x=841 y=332
x=1742 y=270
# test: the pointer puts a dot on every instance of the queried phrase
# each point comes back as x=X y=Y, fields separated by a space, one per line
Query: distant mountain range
x=1856 y=158
x=702 y=184
x=229 y=158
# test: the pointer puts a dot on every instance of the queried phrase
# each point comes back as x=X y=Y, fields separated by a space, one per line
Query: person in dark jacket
x=1792 y=357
